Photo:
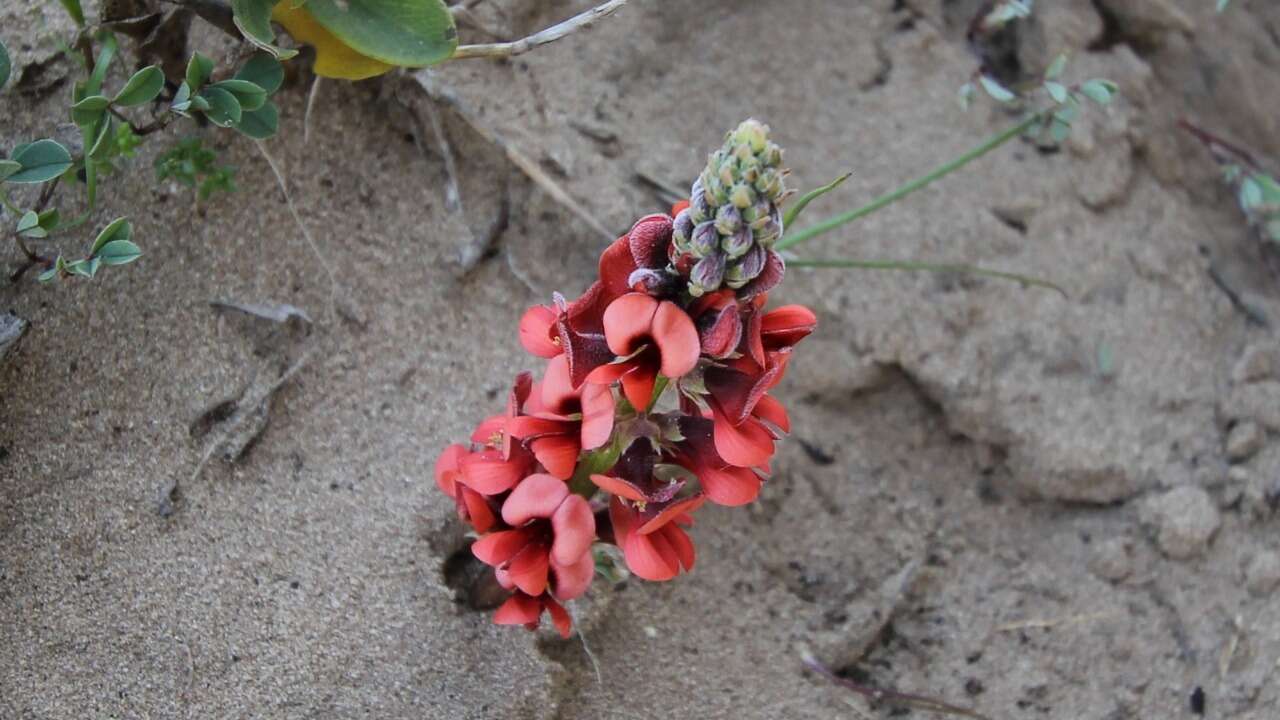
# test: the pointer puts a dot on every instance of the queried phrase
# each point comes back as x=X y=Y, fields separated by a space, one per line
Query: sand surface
x=1081 y=491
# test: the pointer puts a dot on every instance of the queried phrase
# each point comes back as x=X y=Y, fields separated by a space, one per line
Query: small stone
x=1262 y=575
x=1257 y=362
x=1185 y=519
x=1244 y=441
x=1111 y=560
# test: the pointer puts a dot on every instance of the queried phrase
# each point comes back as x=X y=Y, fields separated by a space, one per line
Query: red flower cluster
x=529 y=482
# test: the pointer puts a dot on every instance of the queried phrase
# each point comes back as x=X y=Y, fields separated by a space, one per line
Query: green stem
x=911 y=265
x=826 y=226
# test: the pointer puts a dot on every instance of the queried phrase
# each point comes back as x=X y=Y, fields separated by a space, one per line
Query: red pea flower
x=549 y=544
x=655 y=550
x=650 y=336
x=526 y=610
x=562 y=421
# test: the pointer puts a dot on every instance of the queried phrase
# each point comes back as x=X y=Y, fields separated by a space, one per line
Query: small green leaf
x=74 y=10
x=49 y=274
x=997 y=91
x=119 y=252
x=8 y=167
x=199 y=68
x=809 y=197
x=182 y=99
x=260 y=124
x=224 y=109
x=94 y=264
x=49 y=219
x=250 y=96
x=1250 y=194
x=118 y=229
x=200 y=103
x=41 y=161
x=264 y=71
x=1059 y=131
x=143 y=87
x=1056 y=90
x=1056 y=67
x=78 y=267
x=89 y=110
x=29 y=225
x=253 y=19
x=99 y=144
x=6 y=67
x=1099 y=91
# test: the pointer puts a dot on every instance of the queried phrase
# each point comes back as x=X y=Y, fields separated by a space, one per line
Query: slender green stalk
x=826 y=226
x=911 y=265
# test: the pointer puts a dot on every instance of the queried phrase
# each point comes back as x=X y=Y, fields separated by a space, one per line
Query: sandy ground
x=1086 y=487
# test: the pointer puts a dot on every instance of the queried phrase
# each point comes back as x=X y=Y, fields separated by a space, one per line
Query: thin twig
x=311 y=106
x=442 y=93
x=892 y=697
x=297 y=218
x=578 y=22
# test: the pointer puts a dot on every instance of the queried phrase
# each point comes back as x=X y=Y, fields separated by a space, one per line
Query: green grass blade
x=809 y=197
x=914 y=266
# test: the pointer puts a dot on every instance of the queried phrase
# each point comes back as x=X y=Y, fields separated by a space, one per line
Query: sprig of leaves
x=191 y=164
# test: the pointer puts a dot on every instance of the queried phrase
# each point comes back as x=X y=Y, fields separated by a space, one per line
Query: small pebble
x=1257 y=362
x=1185 y=519
x=1110 y=560
x=1245 y=440
x=1262 y=575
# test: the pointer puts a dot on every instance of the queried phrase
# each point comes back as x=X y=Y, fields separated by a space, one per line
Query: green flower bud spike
x=734 y=209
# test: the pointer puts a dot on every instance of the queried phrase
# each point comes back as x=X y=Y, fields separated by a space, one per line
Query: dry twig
x=581 y=21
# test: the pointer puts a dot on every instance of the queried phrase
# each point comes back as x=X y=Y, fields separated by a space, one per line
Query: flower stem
x=826 y=226
x=912 y=265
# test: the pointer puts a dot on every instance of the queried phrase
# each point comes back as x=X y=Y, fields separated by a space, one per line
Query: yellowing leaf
x=334 y=58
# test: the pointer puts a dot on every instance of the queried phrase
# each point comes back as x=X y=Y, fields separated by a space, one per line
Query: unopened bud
x=699 y=206
x=769 y=231
x=737 y=244
x=772 y=155
x=742 y=196
x=707 y=274
x=704 y=240
x=753 y=133
x=728 y=219
x=682 y=227
x=752 y=264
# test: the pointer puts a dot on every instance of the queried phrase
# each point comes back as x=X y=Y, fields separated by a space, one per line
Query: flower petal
x=769 y=277
x=646 y=560
x=720 y=331
x=671 y=512
x=745 y=445
x=683 y=546
x=529 y=569
x=536 y=497
x=497 y=548
x=619 y=487
x=769 y=409
x=616 y=265
x=538 y=332
x=731 y=486
x=559 y=617
x=787 y=325
x=519 y=609
x=628 y=322
x=557 y=453
x=558 y=394
x=677 y=339
x=610 y=373
x=571 y=581
x=649 y=239
x=447 y=467
x=487 y=473
x=476 y=509
x=597 y=416
x=527 y=427
x=489 y=431
x=574 y=527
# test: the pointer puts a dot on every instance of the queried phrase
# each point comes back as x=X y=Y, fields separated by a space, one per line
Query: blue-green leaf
x=260 y=124
x=41 y=161
x=249 y=95
x=224 y=109
x=997 y=91
x=264 y=71
x=118 y=229
x=143 y=87
x=119 y=252
x=199 y=68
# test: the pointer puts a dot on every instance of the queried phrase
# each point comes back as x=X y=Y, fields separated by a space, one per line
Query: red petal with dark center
x=557 y=453
x=628 y=322
x=537 y=497
x=637 y=386
x=677 y=339
x=497 y=548
x=648 y=241
x=537 y=332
